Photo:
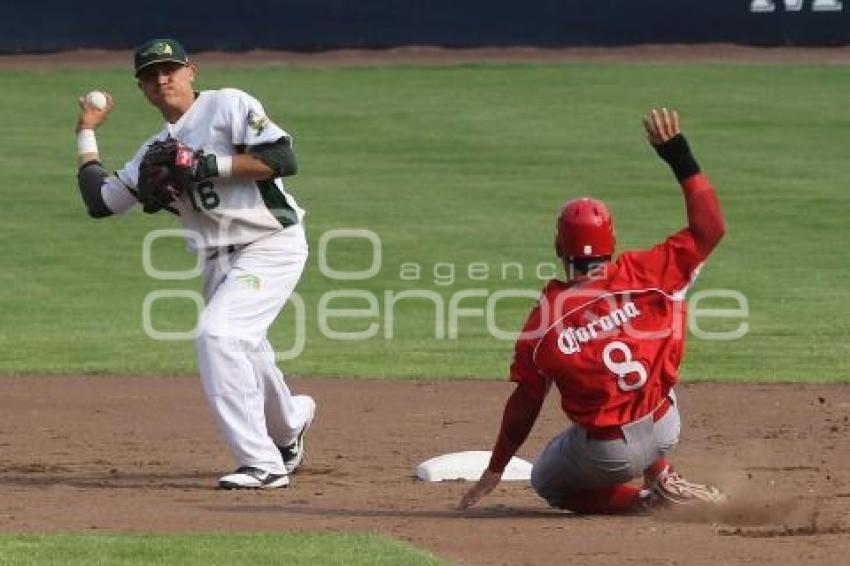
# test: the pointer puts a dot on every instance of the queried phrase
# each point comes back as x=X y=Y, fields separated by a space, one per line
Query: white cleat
x=248 y=477
x=293 y=454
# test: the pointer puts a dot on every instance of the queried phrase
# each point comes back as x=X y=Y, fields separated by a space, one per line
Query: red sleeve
x=705 y=219
x=673 y=264
x=523 y=369
x=521 y=412
x=524 y=404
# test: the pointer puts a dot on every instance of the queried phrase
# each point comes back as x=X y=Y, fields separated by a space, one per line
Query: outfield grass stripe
x=449 y=166
x=209 y=550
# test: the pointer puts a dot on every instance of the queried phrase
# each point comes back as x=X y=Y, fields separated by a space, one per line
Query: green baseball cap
x=159 y=51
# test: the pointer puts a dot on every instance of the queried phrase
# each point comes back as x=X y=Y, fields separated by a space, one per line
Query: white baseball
x=96 y=99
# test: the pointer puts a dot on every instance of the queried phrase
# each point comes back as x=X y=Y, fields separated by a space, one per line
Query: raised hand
x=661 y=125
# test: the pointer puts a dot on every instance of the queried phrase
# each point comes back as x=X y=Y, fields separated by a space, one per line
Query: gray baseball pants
x=572 y=462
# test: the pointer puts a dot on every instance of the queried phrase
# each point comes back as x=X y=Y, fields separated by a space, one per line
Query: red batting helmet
x=584 y=229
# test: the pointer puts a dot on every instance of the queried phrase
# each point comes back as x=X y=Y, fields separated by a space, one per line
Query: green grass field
x=212 y=549
x=452 y=168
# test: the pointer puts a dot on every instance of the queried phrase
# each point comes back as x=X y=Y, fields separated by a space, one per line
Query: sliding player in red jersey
x=611 y=339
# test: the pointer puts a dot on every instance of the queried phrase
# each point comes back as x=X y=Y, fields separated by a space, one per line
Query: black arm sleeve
x=90 y=179
x=677 y=153
x=278 y=156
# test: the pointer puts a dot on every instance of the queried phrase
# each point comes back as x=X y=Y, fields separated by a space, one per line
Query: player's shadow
x=113 y=480
x=497 y=512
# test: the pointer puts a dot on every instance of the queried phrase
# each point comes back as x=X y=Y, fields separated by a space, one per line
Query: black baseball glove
x=166 y=172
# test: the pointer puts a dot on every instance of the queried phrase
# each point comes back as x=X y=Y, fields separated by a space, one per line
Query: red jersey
x=612 y=342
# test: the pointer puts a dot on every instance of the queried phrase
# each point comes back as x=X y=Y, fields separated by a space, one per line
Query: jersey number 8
x=625 y=367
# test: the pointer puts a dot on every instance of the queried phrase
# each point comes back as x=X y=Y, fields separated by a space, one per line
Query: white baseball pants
x=245 y=291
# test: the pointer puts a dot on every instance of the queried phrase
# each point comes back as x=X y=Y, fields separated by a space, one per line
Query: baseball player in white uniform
x=249 y=229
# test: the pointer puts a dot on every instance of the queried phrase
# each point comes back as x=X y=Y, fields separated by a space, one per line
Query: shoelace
x=679 y=486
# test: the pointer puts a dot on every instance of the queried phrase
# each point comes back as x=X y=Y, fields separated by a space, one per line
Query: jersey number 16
x=204 y=197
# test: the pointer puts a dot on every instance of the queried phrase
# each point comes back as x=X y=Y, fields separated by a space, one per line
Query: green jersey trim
x=277 y=204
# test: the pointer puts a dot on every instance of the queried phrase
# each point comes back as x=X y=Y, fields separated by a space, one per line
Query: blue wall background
x=312 y=25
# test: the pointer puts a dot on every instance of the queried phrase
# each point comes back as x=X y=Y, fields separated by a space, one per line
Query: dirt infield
x=141 y=454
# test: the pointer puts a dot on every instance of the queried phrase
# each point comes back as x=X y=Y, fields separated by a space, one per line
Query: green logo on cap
x=158 y=48
x=257 y=122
